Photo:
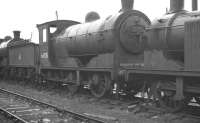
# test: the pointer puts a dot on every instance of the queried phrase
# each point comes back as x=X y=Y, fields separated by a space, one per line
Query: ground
x=112 y=111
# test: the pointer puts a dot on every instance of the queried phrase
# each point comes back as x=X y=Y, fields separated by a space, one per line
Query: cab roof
x=55 y=22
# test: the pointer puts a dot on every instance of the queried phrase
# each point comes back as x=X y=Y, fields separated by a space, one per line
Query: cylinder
x=194 y=5
x=176 y=5
x=127 y=5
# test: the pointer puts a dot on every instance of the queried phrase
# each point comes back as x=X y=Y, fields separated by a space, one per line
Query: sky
x=23 y=15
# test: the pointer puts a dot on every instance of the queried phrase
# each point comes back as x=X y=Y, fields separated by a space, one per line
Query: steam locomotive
x=125 y=52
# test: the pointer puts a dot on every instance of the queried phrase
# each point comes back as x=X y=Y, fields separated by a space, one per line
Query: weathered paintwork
x=192 y=45
x=23 y=55
x=99 y=37
x=167 y=34
x=168 y=31
x=47 y=51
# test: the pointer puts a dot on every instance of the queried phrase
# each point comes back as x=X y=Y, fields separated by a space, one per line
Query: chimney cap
x=16 y=34
x=16 y=31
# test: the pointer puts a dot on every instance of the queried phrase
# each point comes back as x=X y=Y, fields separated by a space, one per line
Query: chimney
x=194 y=5
x=16 y=35
x=176 y=5
x=127 y=5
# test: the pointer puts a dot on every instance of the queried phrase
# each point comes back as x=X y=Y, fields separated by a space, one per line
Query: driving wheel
x=165 y=98
x=100 y=85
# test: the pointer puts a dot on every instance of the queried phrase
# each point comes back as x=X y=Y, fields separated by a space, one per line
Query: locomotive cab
x=47 y=31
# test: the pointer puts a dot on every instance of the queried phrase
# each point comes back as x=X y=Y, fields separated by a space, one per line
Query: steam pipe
x=127 y=5
x=176 y=5
x=194 y=5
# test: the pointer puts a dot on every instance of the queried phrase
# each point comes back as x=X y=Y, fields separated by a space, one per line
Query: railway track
x=23 y=109
x=192 y=110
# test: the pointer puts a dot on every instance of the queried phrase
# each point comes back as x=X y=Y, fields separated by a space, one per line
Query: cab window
x=44 y=35
x=52 y=29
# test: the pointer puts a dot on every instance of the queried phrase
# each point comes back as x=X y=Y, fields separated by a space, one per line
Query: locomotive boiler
x=167 y=35
x=99 y=36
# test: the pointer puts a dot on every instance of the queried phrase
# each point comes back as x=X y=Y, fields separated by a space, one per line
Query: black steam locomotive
x=123 y=52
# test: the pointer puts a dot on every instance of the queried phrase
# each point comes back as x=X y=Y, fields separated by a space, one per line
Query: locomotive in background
x=172 y=56
x=124 y=51
x=18 y=58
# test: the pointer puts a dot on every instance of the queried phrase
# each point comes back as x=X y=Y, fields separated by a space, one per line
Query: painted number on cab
x=44 y=55
x=20 y=57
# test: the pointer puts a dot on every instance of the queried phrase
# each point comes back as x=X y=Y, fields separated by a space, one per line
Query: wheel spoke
x=166 y=100
x=99 y=85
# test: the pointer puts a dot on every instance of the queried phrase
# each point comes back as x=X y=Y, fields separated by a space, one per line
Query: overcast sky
x=25 y=14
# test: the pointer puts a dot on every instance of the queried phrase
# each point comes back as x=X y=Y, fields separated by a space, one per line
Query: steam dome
x=92 y=16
